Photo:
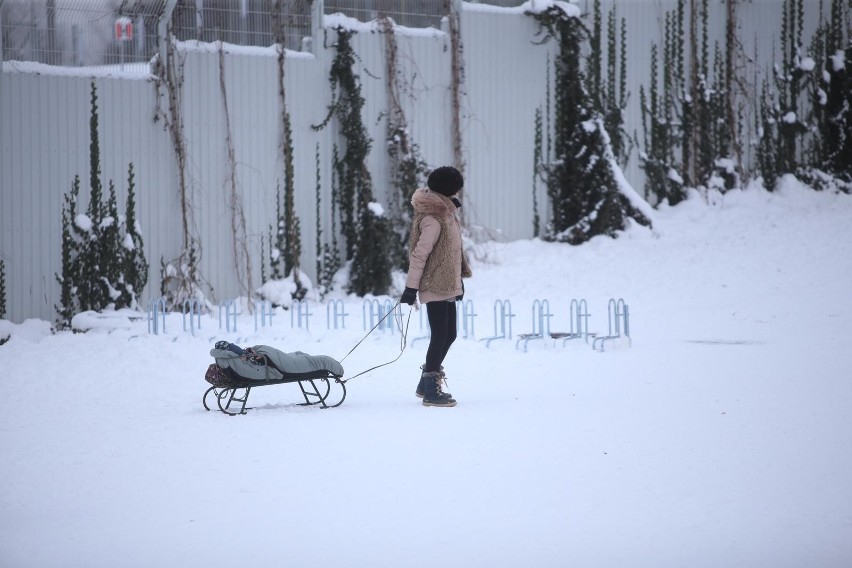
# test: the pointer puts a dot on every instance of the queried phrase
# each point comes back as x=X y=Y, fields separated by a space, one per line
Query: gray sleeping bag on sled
x=281 y=365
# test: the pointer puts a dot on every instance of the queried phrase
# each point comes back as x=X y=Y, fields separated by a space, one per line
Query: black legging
x=442 y=321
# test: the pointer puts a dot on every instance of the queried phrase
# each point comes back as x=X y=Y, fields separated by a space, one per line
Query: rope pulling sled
x=238 y=370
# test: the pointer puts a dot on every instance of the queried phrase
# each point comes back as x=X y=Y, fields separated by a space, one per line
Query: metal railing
x=77 y=33
x=84 y=33
x=242 y=22
x=106 y=33
x=408 y=13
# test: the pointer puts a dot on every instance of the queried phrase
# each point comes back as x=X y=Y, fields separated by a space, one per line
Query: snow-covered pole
x=457 y=73
x=1 y=45
x=316 y=22
x=162 y=30
x=1 y=34
x=453 y=9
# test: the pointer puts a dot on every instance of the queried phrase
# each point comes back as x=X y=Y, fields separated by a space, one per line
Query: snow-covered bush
x=103 y=261
x=806 y=110
x=585 y=185
x=365 y=231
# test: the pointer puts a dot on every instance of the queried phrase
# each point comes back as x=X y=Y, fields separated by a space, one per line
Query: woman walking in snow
x=436 y=266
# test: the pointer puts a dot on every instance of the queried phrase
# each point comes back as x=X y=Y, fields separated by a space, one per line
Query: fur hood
x=428 y=202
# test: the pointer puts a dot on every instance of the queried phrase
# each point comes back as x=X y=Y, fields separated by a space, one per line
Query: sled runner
x=237 y=371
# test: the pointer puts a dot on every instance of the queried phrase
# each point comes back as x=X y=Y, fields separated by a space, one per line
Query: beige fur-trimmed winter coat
x=436 y=260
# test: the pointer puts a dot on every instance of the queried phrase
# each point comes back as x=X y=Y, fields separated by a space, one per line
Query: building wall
x=44 y=138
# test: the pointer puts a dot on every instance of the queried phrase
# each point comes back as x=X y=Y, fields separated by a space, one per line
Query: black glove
x=409 y=296
x=460 y=298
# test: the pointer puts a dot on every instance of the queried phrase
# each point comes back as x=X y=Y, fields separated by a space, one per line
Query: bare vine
x=242 y=258
x=407 y=168
x=180 y=278
x=171 y=77
x=292 y=239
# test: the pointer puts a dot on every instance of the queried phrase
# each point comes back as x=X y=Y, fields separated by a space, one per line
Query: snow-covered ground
x=722 y=437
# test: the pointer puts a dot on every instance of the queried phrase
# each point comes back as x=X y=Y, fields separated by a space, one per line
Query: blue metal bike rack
x=578 y=323
x=421 y=311
x=502 y=316
x=391 y=320
x=156 y=308
x=192 y=308
x=540 y=323
x=300 y=311
x=377 y=311
x=464 y=317
x=264 y=308
x=230 y=310
x=618 y=322
x=335 y=311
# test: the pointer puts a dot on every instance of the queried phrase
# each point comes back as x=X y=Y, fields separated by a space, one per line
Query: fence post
x=316 y=23
x=309 y=44
x=163 y=30
x=1 y=39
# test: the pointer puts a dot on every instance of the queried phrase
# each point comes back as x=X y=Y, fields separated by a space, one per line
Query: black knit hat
x=445 y=180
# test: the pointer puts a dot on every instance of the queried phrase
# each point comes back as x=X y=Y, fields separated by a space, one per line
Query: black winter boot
x=433 y=395
x=420 y=387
